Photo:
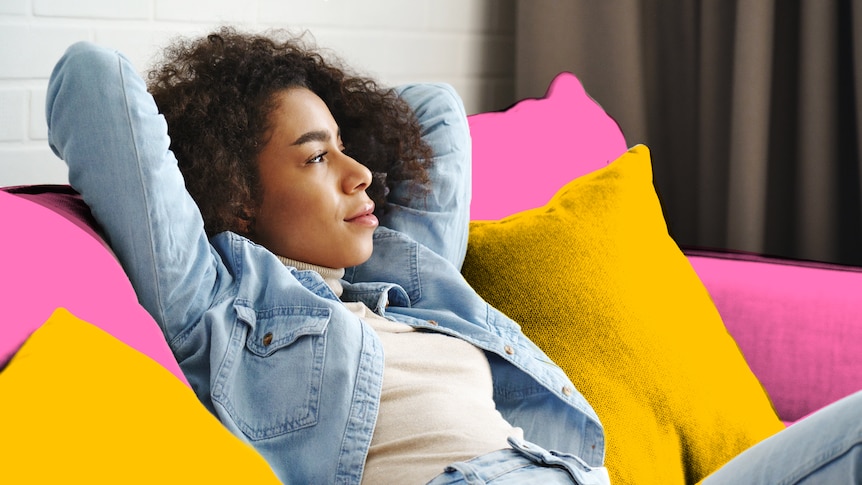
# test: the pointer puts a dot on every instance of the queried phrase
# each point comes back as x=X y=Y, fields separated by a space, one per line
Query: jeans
x=523 y=463
x=130 y=180
x=824 y=448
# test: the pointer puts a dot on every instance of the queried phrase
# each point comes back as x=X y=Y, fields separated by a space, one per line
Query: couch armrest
x=799 y=324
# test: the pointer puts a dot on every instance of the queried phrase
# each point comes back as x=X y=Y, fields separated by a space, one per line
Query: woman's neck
x=331 y=276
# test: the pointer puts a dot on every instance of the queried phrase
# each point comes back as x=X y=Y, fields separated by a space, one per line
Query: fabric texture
x=459 y=420
x=623 y=313
x=522 y=463
x=825 y=448
x=795 y=322
x=103 y=412
x=234 y=314
x=752 y=108
x=63 y=200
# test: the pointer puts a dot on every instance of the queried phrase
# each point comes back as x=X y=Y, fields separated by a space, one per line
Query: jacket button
x=267 y=339
x=509 y=350
x=432 y=322
x=567 y=391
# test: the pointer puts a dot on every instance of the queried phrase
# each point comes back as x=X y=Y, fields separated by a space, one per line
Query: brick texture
x=467 y=43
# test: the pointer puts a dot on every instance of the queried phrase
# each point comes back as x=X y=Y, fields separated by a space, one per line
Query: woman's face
x=314 y=207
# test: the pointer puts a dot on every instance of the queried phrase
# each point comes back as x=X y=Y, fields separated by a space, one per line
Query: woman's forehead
x=302 y=113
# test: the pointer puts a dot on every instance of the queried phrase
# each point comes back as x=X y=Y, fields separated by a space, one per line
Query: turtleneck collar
x=331 y=276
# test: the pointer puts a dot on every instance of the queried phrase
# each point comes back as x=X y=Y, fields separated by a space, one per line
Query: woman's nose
x=357 y=176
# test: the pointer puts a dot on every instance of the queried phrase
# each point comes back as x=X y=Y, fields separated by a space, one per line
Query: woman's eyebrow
x=316 y=135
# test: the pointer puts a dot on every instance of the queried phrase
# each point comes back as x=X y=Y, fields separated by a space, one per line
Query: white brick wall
x=467 y=43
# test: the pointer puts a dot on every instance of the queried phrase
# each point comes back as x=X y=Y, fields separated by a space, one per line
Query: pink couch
x=799 y=324
x=796 y=322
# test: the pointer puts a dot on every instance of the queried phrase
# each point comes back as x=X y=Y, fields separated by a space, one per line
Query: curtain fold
x=748 y=144
x=751 y=110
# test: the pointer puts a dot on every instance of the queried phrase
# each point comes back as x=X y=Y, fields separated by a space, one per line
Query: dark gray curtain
x=750 y=108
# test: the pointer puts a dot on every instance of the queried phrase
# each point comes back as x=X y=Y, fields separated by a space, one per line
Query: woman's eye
x=317 y=158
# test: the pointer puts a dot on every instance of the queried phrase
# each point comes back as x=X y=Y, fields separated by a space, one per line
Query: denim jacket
x=269 y=349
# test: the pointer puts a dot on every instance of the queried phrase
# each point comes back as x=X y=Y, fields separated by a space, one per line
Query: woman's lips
x=365 y=217
x=369 y=220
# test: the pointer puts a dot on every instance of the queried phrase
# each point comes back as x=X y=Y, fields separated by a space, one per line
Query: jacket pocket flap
x=275 y=328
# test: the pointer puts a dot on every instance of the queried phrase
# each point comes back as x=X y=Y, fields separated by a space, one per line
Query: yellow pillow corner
x=80 y=406
x=596 y=281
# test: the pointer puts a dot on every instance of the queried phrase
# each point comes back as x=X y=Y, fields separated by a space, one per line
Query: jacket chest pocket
x=270 y=380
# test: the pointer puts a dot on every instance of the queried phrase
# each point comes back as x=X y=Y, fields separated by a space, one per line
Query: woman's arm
x=440 y=219
x=105 y=125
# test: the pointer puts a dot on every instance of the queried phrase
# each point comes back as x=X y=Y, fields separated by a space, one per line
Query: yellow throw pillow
x=596 y=281
x=79 y=406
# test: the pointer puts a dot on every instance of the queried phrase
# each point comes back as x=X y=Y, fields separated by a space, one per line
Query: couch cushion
x=53 y=257
x=597 y=282
x=79 y=406
x=63 y=200
x=771 y=305
x=523 y=155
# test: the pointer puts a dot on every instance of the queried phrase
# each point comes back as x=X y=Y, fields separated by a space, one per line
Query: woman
x=333 y=334
x=276 y=338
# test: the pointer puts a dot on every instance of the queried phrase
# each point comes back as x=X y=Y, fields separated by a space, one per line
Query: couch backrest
x=523 y=155
x=53 y=257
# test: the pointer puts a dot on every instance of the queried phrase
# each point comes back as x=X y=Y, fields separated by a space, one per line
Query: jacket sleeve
x=105 y=125
x=439 y=220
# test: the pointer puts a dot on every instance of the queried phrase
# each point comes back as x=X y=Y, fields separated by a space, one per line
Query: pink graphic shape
x=48 y=262
x=523 y=155
x=796 y=324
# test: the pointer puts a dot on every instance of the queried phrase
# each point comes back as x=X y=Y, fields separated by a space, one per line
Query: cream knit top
x=436 y=405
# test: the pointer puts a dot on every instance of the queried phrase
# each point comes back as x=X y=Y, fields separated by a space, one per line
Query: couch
x=689 y=355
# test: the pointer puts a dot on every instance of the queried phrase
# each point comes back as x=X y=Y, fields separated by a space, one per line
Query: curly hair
x=217 y=94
